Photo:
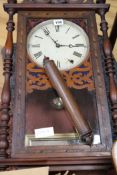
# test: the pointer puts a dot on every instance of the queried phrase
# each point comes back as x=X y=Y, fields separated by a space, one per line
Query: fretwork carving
x=77 y=78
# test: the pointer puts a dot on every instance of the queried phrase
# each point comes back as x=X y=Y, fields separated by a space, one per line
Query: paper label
x=96 y=139
x=44 y=132
x=58 y=22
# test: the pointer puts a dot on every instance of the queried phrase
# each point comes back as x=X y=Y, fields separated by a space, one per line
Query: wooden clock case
x=78 y=158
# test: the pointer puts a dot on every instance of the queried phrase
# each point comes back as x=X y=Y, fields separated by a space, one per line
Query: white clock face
x=62 y=41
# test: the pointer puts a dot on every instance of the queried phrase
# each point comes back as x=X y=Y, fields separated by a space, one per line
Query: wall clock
x=67 y=33
x=62 y=47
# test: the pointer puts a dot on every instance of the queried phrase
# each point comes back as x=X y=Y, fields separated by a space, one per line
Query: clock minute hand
x=56 y=43
x=71 y=45
x=77 y=45
x=47 y=33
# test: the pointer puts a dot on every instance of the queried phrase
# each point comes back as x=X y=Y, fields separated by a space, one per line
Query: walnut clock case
x=67 y=33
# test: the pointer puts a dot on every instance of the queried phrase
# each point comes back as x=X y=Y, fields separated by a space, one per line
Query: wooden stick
x=70 y=104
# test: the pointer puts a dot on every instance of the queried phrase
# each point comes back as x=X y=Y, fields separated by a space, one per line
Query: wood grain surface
x=3 y=19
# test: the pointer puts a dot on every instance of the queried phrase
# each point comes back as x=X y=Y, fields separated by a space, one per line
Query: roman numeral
x=46 y=31
x=38 y=37
x=80 y=45
x=68 y=30
x=58 y=64
x=38 y=54
x=77 y=54
x=35 y=45
x=57 y=28
x=75 y=36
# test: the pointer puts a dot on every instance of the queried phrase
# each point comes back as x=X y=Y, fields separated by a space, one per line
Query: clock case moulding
x=77 y=157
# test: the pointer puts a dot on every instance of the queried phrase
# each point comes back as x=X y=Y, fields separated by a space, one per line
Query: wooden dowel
x=70 y=104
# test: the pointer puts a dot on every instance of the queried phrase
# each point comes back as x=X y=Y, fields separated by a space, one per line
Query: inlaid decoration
x=78 y=78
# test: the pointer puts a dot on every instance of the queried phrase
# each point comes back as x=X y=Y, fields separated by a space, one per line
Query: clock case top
x=71 y=153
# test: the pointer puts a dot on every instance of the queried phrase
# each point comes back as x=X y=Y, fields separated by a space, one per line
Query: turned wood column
x=6 y=94
x=109 y=68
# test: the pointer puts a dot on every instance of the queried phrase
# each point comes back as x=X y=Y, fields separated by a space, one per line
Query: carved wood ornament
x=109 y=68
x=78 y=78
x=6 y=93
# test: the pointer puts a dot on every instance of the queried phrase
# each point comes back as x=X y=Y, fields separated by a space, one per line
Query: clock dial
x=62 y=41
